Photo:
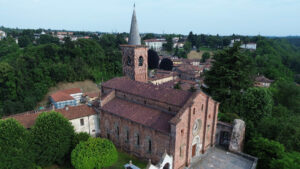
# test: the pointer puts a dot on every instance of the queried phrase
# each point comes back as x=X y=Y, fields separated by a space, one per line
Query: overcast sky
x=224 y=17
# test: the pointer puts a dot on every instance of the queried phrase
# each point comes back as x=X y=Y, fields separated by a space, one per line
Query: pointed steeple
x=134 y=36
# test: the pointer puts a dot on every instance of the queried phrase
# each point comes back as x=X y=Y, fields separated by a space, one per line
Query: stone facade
x=135 y=62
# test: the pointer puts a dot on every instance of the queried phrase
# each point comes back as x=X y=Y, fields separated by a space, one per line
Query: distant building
x=69 y=97
x=188 y=72
x=262 y=81
x=2 y=35
x=155 y=44
x=82 y=117
x=158 y=76
x=250 y=46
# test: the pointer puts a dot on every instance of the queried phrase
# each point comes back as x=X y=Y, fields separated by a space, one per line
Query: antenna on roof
x=134 y=5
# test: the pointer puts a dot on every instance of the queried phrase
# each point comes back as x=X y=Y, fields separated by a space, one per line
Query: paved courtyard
x=221 y=159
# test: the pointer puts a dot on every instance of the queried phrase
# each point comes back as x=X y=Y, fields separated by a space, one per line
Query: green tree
x=265 y=150
x=230 y=74
x=187 y=46
x=255 y=103
x=169 y=45
x=153 y=59
x=52 y=135
x=15 y=146
x=78 y=137
x=290 y=160
x=24 y=41
x=206 y=55
x=95 y=153
x=166 y=64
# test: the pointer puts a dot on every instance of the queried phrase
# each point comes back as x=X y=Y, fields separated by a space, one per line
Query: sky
x=223 y=17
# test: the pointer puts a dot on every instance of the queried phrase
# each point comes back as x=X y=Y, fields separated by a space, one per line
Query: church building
x=148 y=120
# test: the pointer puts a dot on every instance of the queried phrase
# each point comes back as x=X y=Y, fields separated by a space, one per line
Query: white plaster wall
x=91 y=125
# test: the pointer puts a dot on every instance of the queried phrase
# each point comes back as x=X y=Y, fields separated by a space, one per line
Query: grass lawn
x=124 y=159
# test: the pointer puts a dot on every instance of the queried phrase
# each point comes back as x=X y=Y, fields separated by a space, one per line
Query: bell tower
x=135 y=55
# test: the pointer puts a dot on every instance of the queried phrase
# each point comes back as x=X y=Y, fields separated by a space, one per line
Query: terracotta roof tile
x=28 y=119
x=140 y=114
x=150 y=91
x=64 y=95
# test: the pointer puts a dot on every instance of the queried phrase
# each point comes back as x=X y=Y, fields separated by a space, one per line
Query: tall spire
x=134 y=37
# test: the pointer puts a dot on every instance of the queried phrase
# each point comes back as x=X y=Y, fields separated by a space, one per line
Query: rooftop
x=150 y=91
x=140 y=114
x=73 y=112
x=64 y=95
x=263 y=79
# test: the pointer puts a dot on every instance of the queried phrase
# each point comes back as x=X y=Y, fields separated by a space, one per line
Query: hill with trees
x=271 y=114
x=28 y=70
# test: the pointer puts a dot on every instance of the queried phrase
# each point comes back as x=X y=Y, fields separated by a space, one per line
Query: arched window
x=118 y=131
x=149 y=146
x=107 y=133
x=127 y=135
x=141 y=61
x=137 y=139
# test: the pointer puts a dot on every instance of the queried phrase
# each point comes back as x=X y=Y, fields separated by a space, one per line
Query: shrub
x=94 y=153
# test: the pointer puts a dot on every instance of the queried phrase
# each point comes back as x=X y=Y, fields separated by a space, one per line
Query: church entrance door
x=194 y=150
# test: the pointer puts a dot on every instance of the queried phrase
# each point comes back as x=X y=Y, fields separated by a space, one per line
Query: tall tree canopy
x=153 y=59
x=15 y=146
x=52 y=135
x=166 y=64
x=231 y=73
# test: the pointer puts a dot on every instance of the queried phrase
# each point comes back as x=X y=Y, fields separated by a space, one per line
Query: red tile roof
x=64 y=95
x=150 y=91
x=140 y=114
x=28 y=119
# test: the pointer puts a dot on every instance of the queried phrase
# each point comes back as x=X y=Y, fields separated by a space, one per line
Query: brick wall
x=111 y=125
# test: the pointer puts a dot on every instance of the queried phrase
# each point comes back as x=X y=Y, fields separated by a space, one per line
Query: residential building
x=262 y=81
x=155 y=44
x=82 y=117
x=68 y=97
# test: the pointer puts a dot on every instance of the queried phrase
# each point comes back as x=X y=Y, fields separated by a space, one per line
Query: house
x=250 y=46
x=2 y=35
x=158 y=76
x=155 y=44
x=82 y=117
x=68 y=97
x=188 y=72
x=262 y=81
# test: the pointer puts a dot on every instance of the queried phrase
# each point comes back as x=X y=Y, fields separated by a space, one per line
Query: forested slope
x=27 y=70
